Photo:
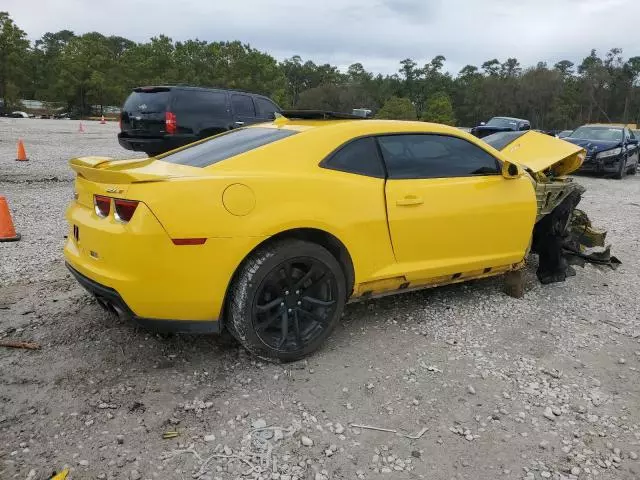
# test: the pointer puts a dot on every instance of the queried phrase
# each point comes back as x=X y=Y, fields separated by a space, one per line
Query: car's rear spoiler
x=108 y=170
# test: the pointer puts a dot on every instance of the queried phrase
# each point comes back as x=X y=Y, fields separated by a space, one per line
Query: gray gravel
x=517 y=389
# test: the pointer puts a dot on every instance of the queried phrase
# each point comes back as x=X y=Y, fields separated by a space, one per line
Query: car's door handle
x=409 y=200
x=238 y=124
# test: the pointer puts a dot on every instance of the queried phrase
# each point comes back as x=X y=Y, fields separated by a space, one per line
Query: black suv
x=155 y=120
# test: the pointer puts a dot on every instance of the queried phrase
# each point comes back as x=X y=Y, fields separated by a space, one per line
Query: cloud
x=376 y=33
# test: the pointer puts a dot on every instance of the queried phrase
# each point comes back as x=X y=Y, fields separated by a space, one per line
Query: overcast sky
x=376 y=33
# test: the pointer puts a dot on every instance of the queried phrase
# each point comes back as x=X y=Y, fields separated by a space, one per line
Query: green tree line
x=94 y=69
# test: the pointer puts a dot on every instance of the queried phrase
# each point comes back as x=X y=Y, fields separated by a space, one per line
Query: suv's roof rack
x=319 y=115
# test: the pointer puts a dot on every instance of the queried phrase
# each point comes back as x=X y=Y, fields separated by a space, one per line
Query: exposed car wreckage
x=563 y=235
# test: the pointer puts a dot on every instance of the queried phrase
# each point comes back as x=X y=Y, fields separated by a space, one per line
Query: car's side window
x=359 y=156
x=434 y=156
x=202 y=102
x=266 y=108
x=243 y=105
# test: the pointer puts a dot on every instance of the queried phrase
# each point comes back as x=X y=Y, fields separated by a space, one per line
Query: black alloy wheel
x=286 y=299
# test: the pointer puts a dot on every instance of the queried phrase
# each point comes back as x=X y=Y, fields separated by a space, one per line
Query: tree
x=491 y=67
x=565 y=67
x=397 y=108
x=439 y=110
x=13 y=53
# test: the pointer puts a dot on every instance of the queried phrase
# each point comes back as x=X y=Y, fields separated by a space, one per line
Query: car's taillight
x=124 y=209
x=102 y=205
x=170 y=122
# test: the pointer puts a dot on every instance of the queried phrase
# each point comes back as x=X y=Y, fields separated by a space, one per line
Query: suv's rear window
x=147 y=102
x=226 y=146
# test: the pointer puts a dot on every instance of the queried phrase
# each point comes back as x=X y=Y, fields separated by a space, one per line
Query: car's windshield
x=502 y=122
x=226 y=145
x=610 y=134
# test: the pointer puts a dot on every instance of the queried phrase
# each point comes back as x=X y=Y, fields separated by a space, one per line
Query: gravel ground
x=494 y=387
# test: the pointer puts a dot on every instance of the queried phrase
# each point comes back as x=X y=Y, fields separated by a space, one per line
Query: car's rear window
x=226 y=145
x=147 y=102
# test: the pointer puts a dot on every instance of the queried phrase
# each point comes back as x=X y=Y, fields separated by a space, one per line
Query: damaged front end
x=563 y=235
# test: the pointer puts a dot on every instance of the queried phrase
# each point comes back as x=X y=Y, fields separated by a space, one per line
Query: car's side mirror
x=511 y=170
x=482 y=124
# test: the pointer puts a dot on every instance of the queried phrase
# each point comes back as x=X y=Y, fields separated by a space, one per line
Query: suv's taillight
x=170 y=122
x=102 y=205
x=124 y=209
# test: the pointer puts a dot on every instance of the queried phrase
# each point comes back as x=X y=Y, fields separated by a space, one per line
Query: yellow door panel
x=444 y=226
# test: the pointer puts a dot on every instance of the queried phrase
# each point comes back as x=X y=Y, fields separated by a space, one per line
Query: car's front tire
x=622 y=170
x=286 y=299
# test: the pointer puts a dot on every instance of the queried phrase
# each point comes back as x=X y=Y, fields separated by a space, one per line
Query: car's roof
x=195 y=88
x=604 y=125
x=512 y=118
x=362 y=127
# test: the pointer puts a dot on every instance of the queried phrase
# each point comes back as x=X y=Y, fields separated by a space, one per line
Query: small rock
x=258 y=424
x=415 y=453
x=471 y=390
x=210 y=438
x=469 y=437
x=616 y=459
x=339 y=429
x=119 y=439
x=592 y=418
x=575 y=471
x=633 y=455
x=544 y=445
x=135 y=475
x=83 y=463
x=227 y=450
x=545 y=474
x=306 y=441
x=609 y=445
x=622 y=361
x=548 y=414
x=556 y=411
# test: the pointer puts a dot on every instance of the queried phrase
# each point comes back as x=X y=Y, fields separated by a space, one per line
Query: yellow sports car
x=269 y=230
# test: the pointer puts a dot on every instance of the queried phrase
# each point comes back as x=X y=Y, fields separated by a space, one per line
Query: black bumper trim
x=110 y=300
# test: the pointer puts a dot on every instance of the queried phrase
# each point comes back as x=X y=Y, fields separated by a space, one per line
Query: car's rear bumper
x=154 y=145
x=110 y=300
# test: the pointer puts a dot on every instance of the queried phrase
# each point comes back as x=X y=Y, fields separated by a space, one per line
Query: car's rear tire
x=286 y=299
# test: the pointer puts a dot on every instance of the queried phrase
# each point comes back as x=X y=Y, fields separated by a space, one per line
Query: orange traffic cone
x=102 y=120
x=21 y=155
x=7 y=231
x=80 y=128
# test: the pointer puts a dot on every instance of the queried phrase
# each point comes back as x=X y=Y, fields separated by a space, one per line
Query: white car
x=19 y=115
